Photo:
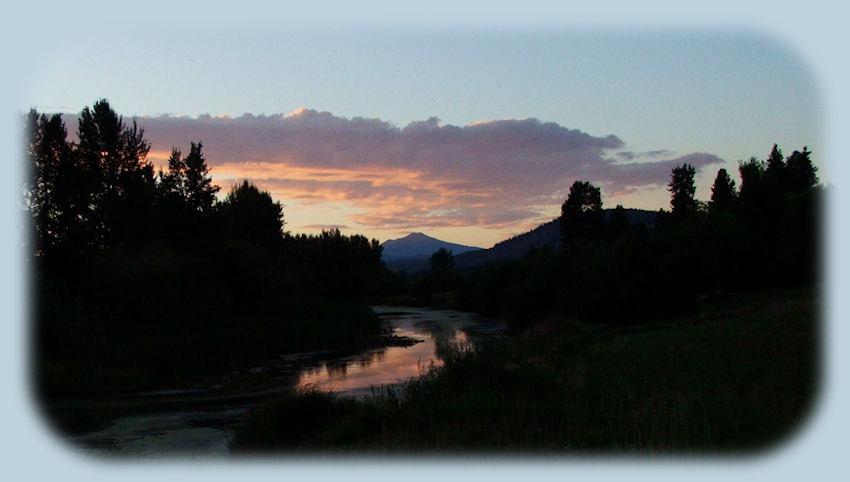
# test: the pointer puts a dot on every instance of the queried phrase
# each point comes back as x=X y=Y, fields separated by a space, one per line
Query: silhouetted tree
x=619 y=222
x=775 y=162
x=441 y=263
x=200 y=192
x=94 y=193
x=173 y=216
x=581 y=213
x=51 y=196
x=150 y=282
x=723 y=191
x=662 y=272
x=336 y=263
x=753 y=190
x=802 y=174
x=682 y=190
x=251 y=215
x=124 y=185
x=776 y=183
x=366 y=250
x=172 y=184
x=186 y=198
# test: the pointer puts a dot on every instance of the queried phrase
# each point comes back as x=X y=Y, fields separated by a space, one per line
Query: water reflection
x=201 y=420
x=438 y=332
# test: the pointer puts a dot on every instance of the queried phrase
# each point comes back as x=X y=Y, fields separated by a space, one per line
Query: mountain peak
x=419 y=245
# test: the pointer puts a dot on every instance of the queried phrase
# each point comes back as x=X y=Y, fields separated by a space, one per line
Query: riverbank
x=199 y=418
x=248 y=384
x=80 y=388
x=101 y=357
x=739 y=376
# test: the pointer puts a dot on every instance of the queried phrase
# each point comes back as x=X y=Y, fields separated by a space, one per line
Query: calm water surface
x=201 y=421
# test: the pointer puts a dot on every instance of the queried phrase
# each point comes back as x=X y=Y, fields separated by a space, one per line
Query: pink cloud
x=492 y=174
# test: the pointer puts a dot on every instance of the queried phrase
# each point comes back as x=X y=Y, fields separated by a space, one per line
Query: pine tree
x=802 y=174
x=723 y=191
x=775 y=162
x=122 y=180
x=52 y=194
x=682 y=190
x=173 y=183
x=752 y=178
x=200 y=192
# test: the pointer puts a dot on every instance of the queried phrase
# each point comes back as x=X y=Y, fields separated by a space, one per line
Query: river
x=201 y=421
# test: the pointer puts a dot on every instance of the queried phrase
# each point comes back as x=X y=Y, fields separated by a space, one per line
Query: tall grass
x=740 y=376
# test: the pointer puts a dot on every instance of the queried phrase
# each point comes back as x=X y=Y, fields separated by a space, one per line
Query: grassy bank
x=740 y=375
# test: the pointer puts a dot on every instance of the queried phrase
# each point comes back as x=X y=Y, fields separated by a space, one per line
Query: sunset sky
x=721 y=81
x=471 y=136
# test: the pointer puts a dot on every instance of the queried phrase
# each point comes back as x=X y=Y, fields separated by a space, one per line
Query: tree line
x=763 y=234
x=144 y=276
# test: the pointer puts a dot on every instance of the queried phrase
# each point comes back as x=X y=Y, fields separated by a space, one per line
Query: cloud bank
x=427 y=174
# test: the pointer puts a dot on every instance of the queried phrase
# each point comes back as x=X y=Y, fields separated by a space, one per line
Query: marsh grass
x=739 y=377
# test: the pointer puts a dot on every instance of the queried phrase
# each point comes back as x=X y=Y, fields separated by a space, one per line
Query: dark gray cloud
x=325 y=227
x=633 y=156
x=493 y=173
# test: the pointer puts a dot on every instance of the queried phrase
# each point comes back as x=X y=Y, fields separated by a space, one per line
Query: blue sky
x=665 y=94
x=669 y=93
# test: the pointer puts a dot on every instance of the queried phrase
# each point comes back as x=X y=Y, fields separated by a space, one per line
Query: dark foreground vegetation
x=695 y=333
x=143 y=279
x=763 y=235
x=740 y=376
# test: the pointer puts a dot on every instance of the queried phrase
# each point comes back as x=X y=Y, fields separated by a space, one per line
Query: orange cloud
x=491 y=174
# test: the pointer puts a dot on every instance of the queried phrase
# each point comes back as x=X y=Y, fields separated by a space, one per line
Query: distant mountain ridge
x=419 y=245
x=547 y=234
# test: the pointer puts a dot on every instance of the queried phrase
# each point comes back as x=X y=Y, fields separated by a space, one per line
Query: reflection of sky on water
x=437 y=330
x=186 y=429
